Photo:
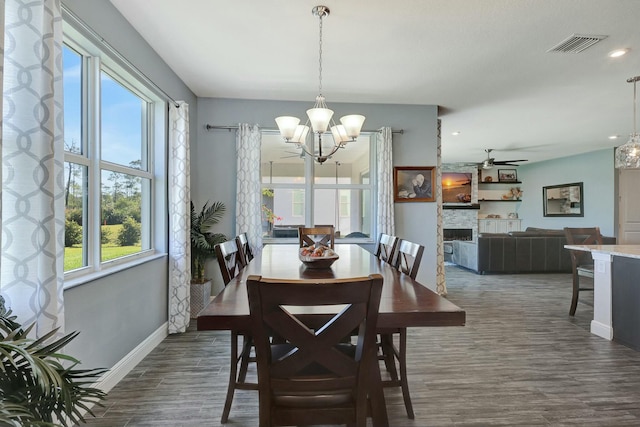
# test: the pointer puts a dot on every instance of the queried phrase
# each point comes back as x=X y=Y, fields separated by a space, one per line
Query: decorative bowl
x=318 y=262
x=323 y=258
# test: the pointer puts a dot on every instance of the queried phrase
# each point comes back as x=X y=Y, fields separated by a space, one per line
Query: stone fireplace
x=449 y=235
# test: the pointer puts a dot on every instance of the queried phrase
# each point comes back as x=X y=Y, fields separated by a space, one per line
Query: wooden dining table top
x=404 y=303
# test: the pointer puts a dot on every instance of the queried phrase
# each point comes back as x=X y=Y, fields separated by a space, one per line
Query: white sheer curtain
x=31 y=273
x=385 y=221
x=179 y=218
x=1 y=79
x=249 y=194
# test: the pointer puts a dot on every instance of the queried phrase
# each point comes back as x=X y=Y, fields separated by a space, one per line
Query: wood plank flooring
x=520 y=360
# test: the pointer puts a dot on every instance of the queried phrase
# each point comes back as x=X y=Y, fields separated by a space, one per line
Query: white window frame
x=309 y=186
x=97 y=59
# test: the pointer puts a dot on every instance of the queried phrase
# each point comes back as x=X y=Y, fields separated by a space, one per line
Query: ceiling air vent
x=576 y=43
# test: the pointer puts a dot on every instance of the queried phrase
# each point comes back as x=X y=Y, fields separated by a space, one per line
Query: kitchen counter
x=614 y=289
x=629 y=251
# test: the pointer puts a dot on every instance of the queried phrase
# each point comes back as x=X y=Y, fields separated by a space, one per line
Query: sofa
x=535 y=250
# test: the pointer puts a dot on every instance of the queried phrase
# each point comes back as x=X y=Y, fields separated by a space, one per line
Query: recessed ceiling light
x=456 y=133
x=614 y=136
x=617 y=53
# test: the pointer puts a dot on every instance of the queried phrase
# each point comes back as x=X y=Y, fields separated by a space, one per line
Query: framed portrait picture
x=414 y=183
x=507 y=175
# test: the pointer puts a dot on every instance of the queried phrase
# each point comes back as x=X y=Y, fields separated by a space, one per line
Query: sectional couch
x=535 y=250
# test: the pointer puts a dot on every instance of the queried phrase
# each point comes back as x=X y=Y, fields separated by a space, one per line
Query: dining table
x=404 y=303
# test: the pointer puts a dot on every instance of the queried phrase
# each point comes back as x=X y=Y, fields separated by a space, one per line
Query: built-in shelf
x=503 y=183
x=499 y=200
x=454 y=206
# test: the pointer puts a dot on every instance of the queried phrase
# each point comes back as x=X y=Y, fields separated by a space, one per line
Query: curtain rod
x=113 y=51
x=230 y=128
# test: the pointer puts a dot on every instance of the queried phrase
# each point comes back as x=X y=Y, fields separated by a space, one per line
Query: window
x=298 y=191
x=109 y=122
x=297 y=208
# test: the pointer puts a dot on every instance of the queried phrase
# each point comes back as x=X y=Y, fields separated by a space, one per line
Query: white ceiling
x=484 y=62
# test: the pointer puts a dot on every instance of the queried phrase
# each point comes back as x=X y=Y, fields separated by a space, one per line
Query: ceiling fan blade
x=504 y=162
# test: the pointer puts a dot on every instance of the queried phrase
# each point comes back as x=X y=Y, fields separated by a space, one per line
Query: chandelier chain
x=635 y=132
x=320 y=59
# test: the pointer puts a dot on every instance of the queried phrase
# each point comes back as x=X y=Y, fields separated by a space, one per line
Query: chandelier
x=320 y=117
x=628 y=154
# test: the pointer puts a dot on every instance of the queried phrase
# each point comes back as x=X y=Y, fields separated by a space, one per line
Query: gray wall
x=594 y=169
x=117 y=312
x=214 y=159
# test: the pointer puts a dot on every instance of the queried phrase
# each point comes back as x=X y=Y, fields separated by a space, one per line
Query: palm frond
x=211 y=215
x=39 y=384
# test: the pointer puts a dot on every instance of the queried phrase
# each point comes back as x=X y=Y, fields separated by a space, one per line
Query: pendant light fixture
x=320 y=117
x=628 y=154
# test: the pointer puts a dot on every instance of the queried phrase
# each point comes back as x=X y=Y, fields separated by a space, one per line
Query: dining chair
x=324 y=235
x=313 y=376
x=243 y=246
x=581 y=261
x=408 y=258
x=230 y=260
x=386 y=248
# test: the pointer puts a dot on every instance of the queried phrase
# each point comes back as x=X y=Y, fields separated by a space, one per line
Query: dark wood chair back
x=312 y=375
x=243 y=246
x=582 y=236
x=409 y=257
x=581 y=261
x=386 y=248
x=229 y=259
x=311 y=235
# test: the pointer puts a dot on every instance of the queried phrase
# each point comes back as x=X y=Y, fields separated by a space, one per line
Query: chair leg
x=390 y=355
x=402 y=359
x=233 y=372
x=386 y=344
x=245 y=357
x=574 y=298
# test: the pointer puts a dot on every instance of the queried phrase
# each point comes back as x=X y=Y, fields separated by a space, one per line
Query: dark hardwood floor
x=520 y=360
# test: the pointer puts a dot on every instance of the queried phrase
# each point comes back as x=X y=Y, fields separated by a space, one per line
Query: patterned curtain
x=179 y=218
x=249 y=193
x=1 y=79
x=31 y=272
x=441 y=284
x=385 y=222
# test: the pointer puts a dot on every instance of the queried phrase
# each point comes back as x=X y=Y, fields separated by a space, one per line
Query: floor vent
x=576 y=43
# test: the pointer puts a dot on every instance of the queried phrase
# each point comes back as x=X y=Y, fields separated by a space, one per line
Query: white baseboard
x=602 y=330
x=114 y=375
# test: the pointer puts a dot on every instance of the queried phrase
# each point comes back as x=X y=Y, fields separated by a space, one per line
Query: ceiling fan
x=291 y=154
x=490 y=162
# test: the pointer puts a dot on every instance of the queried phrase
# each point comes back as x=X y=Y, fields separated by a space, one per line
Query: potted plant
x=202 y=240
x=39 y=385
x=202 y=250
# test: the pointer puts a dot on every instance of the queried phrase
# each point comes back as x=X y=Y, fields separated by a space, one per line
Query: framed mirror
x=563 y=200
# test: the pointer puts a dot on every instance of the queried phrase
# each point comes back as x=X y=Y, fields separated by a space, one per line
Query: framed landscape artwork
x=414 y=183
x=456 y=187
x=507 y=175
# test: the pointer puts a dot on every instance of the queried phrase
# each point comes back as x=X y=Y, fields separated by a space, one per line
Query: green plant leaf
x=35 y=386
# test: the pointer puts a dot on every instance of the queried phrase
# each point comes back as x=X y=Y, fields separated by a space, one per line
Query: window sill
x=90 y=277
